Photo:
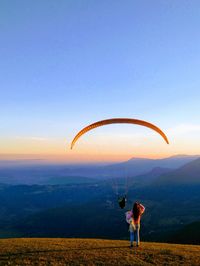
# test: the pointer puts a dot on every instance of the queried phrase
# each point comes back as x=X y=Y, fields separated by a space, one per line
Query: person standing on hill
x=133 y=217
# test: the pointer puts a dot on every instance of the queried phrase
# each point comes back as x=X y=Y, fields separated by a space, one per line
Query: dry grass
x=44 y=251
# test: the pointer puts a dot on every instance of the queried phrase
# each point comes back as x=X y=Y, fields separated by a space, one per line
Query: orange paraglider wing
x=118 y=121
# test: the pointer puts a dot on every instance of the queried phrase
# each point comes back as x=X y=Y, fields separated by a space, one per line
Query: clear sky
x=65 y=64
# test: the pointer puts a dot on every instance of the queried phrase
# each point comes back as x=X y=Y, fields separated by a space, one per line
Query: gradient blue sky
x=64 y=64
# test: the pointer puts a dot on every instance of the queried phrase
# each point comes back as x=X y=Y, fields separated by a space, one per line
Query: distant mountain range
x=62 y=174
x=132 y=167
x=171 y=197
x=187 y=174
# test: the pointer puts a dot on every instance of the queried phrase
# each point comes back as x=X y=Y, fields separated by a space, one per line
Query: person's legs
x=137 y=234
x=131 y=238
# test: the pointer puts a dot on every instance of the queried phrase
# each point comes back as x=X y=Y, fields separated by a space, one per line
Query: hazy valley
x=50 y=201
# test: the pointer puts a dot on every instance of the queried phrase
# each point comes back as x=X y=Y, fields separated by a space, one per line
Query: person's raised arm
x=142 y=208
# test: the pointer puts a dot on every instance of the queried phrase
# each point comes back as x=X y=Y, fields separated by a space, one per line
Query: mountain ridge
x=187 y=174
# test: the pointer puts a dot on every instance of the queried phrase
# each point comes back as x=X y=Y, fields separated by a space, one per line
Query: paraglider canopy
x=118 y=121
x=121 y=200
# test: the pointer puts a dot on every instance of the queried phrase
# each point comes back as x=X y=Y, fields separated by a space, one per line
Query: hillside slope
x=46 y=251
x=188 y=234
x=132 y=167
x=187 y=174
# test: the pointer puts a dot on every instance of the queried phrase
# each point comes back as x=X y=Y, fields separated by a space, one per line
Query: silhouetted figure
x=122 y=201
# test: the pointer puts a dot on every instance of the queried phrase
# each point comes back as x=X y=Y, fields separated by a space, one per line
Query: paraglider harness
x=122 y=201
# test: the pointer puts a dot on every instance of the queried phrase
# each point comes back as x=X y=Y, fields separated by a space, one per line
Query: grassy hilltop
x=58 y=251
